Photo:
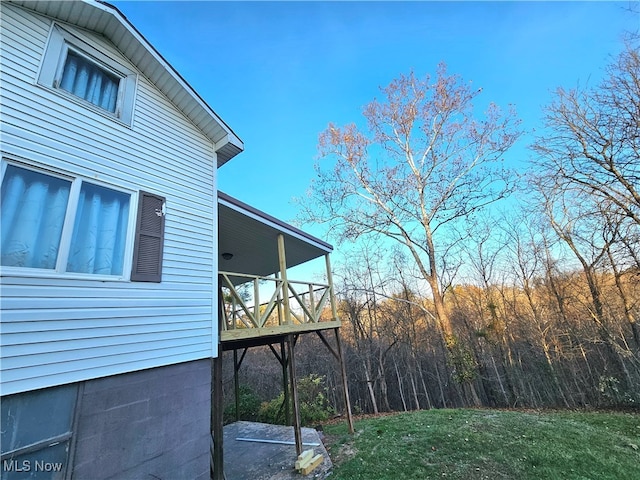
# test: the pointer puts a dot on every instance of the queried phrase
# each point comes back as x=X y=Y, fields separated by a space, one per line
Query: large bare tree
x=591 y=143
x=422 y=163
x=588 y=158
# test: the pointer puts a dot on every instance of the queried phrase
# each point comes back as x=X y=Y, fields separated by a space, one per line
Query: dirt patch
x=339 y=452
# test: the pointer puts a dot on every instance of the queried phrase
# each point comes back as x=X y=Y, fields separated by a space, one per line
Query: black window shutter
x=149 y=241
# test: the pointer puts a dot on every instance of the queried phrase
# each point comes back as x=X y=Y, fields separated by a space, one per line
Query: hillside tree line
x=448 y=301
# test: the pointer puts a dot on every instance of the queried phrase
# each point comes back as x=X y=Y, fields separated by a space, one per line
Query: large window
x=62 y=224
x=80 y=71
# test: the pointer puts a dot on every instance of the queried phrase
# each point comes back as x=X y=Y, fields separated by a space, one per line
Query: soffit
x=252 y=237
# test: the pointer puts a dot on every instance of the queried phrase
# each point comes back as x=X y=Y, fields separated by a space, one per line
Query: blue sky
x=279 y=72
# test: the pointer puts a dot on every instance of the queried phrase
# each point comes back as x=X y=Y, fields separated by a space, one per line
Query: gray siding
x=62 y=329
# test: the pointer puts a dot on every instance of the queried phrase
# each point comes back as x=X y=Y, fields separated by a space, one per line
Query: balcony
x=259 y=303
x=293 y=306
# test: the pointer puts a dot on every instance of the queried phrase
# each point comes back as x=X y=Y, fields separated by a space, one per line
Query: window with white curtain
x=62 y=224
x=85 y=79
x=32 y=213
x=99 y=231
x=78 y=69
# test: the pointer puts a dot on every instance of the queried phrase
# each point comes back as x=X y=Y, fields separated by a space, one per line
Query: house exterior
x=119 y=257
x=109 y=249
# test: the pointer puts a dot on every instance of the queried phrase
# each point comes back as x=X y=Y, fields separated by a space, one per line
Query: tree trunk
x=424 y=385
x=504 y=393
x=383 y=385
x=400 y=387
x=442 y=396
x=372 y=395
x=414 y=390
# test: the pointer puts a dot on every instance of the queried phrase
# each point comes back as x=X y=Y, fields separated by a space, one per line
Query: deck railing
x=293 y=306
x=290 y=302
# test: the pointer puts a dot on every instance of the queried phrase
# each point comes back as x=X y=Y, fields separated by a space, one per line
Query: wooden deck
x=292 y=307
x=266 y=310
x=254 y=306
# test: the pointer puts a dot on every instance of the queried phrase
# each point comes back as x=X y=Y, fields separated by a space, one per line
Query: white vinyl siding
x=62 y=330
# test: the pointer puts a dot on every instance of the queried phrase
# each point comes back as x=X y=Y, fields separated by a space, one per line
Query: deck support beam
x=337 y=354
x=236 y=378
x=294 y=393
x=216 y=427
x=216 y=414
x=285 y=383
x=345 y=386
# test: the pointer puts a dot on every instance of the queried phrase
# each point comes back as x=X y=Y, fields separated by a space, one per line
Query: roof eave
x=227 y=148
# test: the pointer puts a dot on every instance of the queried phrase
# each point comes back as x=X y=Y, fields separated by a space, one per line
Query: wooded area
x=471 y=284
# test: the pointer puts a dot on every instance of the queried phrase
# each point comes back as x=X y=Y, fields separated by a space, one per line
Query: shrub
x=249 y=405
x=312 y=399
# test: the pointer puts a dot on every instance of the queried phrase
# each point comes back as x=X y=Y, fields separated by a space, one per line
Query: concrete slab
x=263 y=457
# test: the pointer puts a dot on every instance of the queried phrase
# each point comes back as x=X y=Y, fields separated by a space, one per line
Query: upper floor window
x=88 y=81
x=75 y=68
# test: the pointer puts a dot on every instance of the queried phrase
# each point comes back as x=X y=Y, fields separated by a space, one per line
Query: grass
x=488 y=444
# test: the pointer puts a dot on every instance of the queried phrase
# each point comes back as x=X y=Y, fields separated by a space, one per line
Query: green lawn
x=488 y=444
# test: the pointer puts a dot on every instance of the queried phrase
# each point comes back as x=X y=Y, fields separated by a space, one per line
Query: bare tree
x=422 y=164
x=588 y=172
x=360 y=280
x=592 y=139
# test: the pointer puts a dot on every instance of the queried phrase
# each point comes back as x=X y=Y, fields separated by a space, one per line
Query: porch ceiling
x=251 y=236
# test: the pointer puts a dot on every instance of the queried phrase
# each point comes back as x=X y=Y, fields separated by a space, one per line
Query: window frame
x=52 y=67
x=44 y=445
x=60 y=270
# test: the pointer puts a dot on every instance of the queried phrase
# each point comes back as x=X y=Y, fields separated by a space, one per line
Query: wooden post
x=285 y=383
x=345 y=386
x=332 y=298
x=277 y=275
x=216 y=414
x=236 y=383
x=282 y=259
x=233 y=311
x=217 y=461
x=294 y=394
x=312 y=306
x=256 y=302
